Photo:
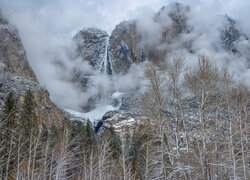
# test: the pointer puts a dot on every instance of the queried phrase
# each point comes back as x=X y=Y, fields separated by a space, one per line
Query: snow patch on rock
x=94 y=115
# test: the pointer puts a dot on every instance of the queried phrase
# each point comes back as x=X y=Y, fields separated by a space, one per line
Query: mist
x=202 y=24
x=47 y=27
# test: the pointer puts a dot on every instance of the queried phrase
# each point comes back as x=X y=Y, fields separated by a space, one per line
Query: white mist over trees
x=46 y=30
x=204 y=135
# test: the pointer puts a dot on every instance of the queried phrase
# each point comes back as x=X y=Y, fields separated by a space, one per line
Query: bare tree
x=203 y=82
x=154 y=101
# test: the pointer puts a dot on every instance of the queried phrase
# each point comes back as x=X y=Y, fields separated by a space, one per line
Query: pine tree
x=54 y=133
x=115 y=142
x=133 y=151
x=28 y=118
x=90 y=139
x=9 y=114
x=8 y=134
x=29 y=131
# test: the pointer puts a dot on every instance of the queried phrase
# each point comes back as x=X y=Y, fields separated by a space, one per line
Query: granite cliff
x=17 y=76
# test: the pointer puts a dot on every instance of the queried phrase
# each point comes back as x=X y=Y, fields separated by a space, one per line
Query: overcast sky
x=67 y=16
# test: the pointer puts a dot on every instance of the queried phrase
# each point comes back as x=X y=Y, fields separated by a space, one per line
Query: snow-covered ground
x=94 y=115
x=117 y=95
x=97 y=114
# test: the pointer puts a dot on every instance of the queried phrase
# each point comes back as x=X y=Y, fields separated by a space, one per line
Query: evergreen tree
x=8 y=134
x=134 y=146
x=54 y=133
x=28 y=128
x=9 y=116
x=9 y=104
x=90 y=139
x=133 y=152
x=28 y=118
x=78 y=136
x=77 y=146
x=115 y=142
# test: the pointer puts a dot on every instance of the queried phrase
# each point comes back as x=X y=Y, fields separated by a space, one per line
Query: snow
x=117 y=95
x=2 y=65
x=124 y=122
x=94 y=115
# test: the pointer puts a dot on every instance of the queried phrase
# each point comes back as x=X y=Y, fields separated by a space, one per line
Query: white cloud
x=46 y=28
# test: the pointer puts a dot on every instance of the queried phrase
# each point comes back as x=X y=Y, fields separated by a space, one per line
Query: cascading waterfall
x=110 y=99
x=105 y=62
x=105 y=67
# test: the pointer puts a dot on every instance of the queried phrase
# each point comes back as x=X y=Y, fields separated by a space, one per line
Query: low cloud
x=46 y=29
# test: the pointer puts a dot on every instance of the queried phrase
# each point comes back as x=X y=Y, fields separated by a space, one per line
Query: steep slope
x=231 y=38
x=175 y=33
x=92 y=46
x=17 y=76
x=128 y=43
x=12 y=55
x=123 y=46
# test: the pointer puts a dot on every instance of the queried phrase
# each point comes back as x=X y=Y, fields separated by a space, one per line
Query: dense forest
x=195 y=125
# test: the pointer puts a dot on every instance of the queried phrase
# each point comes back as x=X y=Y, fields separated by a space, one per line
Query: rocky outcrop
x=127 y=44
x=17 y=76
x=131 y=42
x=234 y=41
x=230 y=35
x=177 y=14
x=115 y=54
x=91 y=46
x=124 y=48
x=12 y=55
x=111 y=55
x=122 y=121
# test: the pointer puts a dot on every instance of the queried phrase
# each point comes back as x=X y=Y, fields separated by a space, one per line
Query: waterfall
x=106 y=63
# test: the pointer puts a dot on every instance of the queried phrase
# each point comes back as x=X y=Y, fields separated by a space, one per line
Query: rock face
x=115 y=54
x=230 y=35
x=122 y=122
x=16 y=76
x=124 y=49
x=107 y=54
x=92 y=46
x=130 y=42
x=12 y=55
x=177 y=14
